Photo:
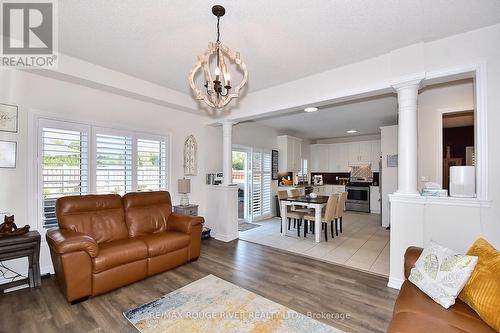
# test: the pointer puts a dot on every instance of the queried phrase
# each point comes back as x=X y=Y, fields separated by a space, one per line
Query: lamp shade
x=184 y=185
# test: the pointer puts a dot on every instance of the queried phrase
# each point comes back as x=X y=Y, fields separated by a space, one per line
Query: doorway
x=240 y=178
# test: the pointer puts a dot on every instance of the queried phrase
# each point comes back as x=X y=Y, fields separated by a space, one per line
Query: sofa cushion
x=117 y=253
x=458 y=318
x=441 y=273
x=99 y=216
x=164 y=242
x=409 y=322
x=482 y=291
x=147 y=212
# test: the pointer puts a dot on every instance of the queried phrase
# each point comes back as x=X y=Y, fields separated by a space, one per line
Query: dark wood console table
x=27 y=245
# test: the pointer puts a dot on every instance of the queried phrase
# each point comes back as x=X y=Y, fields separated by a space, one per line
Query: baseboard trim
x=395 y=283
x=225 y=238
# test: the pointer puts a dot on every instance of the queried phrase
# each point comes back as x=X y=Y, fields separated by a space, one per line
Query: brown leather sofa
x=106 y=241
x=415 y=312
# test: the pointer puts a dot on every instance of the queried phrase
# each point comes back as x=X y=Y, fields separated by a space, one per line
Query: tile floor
x=364 y=243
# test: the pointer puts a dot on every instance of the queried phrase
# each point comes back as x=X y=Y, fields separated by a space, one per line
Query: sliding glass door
x=252 y=175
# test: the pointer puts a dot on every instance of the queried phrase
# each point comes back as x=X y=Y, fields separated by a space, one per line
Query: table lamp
x=184 y=187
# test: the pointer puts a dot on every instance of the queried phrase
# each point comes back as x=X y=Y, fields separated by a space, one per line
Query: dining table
x=317 y=203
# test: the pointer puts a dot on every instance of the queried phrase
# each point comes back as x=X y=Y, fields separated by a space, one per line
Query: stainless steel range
x=358 y=194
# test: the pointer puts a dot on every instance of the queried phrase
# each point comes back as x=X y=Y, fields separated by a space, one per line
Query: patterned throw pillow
x=441 y=273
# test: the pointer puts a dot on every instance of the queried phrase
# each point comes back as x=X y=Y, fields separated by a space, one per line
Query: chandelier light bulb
x=217 y=70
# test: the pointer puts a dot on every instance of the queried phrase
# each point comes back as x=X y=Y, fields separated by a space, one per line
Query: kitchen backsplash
x=332 y=178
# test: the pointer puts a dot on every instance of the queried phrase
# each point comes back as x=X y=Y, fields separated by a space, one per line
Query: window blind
x=266 y=184
x=113 y=164
x=256 y=184
x=151 y=165
x=64 y=168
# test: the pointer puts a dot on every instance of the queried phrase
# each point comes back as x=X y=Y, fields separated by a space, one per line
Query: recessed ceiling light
x=311 y=109
x=352 y=131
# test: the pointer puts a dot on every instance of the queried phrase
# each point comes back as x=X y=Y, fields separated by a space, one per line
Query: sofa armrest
x=64 y=241
x=411 y=255
x=183 y=223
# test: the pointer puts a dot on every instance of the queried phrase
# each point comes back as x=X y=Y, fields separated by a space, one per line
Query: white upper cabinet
x=320 y=158
x=338 y=157
x=290 y=153
x=365 y=151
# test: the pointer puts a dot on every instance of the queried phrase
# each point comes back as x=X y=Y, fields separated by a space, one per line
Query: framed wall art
x=190 y=156
x=8 y=152
x=8 y=118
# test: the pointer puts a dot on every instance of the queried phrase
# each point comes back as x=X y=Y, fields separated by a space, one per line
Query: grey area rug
x=247 y=226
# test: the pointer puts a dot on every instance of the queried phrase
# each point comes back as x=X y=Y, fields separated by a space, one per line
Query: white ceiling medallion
x=217 y=93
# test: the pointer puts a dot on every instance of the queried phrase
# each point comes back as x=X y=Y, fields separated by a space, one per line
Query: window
x=63 y=167
x=151 y=165
x=77 y=159
x=113 y=164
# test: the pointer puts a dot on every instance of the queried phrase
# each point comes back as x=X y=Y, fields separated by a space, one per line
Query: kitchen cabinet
x=375 y=199
x=337 y=157
x=290 y=153
x=330 y=189
x=319 y=158
x=360 y=152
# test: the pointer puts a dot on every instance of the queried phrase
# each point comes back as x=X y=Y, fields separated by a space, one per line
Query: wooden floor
x=303 y=284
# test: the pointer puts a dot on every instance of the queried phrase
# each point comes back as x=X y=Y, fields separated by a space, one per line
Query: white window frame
x=40 y=120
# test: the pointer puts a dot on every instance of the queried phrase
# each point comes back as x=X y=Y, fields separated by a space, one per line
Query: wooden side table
x=186 y=210
x=27 y=245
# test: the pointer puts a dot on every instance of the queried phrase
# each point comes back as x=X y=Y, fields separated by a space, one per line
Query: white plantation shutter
x=78 y=159
x=261 y=184
x=113 y=164
x=256 y=184
x=266 y=184
x=151 y=165
x=64 y=167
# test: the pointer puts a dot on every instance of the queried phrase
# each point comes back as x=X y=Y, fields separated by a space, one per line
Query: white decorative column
x=407 y=136
x=227 y=151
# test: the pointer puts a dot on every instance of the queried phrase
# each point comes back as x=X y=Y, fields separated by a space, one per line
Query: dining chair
x=339 y=212
x=326 y=217
x=301 y=209
x=296 y=216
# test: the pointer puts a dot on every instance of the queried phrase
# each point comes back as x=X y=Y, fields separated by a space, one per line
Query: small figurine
x=9 y=228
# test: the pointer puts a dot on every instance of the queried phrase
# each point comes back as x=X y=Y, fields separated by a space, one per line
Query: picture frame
x=8 y=154
x=274 y=163
x=9 y=115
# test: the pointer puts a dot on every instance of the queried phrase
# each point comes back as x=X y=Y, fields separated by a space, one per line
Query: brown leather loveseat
x=415 y=312
x=107 y=241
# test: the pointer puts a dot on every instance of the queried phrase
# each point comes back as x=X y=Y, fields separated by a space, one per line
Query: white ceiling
x=280 y=40
x=365 y=116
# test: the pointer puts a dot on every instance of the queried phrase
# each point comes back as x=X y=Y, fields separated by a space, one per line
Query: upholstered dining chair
x=326 y=217
x=339 y=212
x=296 y=216
x=301 y=209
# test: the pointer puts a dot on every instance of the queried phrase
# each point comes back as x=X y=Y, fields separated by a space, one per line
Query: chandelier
x=217 y=92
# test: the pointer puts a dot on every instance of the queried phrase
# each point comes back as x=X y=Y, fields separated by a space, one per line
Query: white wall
x=432 y=102
x=60 y=99
x=389 y=146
